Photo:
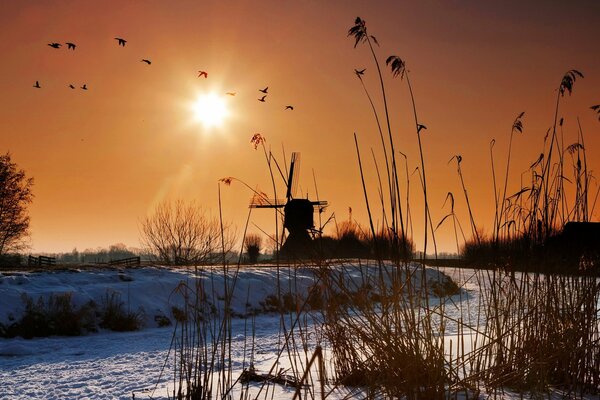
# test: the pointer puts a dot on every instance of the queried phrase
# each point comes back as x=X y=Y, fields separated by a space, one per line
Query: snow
x=110 y=365
x=155 y=290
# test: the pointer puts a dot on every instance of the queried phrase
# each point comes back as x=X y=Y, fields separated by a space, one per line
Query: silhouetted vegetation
x=88 y=257
x=11 y=260
x=15 y=195
x=515 y=329
x=115 y=318
x=253 y=243
x=183 y=234
x=58 y=315
x=55 y=316
x=528 y=225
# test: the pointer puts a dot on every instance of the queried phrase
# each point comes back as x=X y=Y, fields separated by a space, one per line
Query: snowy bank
x=156 y=293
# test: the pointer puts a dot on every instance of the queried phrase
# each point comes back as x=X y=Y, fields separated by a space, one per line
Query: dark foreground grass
x=58 y=315
x=386 y=334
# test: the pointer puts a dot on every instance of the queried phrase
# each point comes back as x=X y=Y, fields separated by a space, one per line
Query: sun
x=211 y=110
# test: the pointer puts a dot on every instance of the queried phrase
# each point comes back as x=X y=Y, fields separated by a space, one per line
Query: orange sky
x=103 y=158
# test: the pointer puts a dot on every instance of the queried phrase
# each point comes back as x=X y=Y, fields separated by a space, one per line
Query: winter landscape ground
x=140 y=364
x=118 y=365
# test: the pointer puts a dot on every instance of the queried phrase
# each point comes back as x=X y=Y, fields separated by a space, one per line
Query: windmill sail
x=292 y=183
x=260 y=200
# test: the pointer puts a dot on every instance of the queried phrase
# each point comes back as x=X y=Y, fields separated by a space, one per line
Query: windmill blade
x=258 y=201
x=319 y=206
x=296 y=176
x=293 y=176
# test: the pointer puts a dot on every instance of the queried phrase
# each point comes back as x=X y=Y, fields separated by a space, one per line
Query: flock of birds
x=121 y=42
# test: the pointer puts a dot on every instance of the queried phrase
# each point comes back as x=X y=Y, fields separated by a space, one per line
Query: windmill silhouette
x=297 y=214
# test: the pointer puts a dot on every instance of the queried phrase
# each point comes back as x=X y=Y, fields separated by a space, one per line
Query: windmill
x=297 y=213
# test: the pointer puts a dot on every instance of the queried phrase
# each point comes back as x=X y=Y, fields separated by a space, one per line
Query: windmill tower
x=297 y=213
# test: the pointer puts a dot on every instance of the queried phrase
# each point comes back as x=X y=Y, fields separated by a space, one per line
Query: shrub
x=315 y=298
x=351 y=241
x=56 y=316
x=397 y=248
x=162 y=320
x=445 y=287
x=253 y=244
x=10 y=260
x=115 y=318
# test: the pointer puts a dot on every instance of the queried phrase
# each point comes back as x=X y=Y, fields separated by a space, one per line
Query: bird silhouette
x=84 y=87
x=264 y=90
x=230 y=93
x=54 y=45
x=37 y=85
x=146 y=61
x=71 y=46
x=360 y=72
x=289 y=107
x=262 y=98
x=202 y=73
x=72 y=87
x=121 y=41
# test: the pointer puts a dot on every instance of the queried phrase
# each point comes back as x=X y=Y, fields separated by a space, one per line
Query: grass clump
x=401 y=352
x=543 y=332
x=114 y=316
x=59 y=315
x=55 y=316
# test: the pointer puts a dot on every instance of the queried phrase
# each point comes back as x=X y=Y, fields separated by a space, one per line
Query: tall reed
x=400 y=351
x=516 y=127
x=359 y=32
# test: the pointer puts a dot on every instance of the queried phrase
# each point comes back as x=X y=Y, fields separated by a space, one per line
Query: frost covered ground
x=110 y=365
x=107 y=365
x=115 y=365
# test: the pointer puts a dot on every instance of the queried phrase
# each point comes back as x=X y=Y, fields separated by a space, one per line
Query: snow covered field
x=107 y=365
x=115 y=365
x=110 y=365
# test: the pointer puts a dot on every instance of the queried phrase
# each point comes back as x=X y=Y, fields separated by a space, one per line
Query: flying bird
x=71 y=46
x=289 y=108
x=264 y=90
x=262 y=98
x=121 y=41
x=54 y=45
x=72 y=87
x=84 y=87
x=37 y=85
x=230 y=93
x=202 y=73
x=360 y=72
x=147 y=61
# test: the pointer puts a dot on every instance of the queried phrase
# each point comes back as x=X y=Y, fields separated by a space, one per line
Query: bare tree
x=253 y=243
x=15 y=195
x=183 y=234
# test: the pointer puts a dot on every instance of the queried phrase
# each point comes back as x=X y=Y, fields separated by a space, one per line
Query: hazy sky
x=103 y=158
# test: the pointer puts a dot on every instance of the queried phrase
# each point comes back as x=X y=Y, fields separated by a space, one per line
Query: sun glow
x=210 y=109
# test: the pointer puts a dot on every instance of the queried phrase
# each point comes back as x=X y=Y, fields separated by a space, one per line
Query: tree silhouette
x=15 y=195
x=183 y=234
x=253 y=243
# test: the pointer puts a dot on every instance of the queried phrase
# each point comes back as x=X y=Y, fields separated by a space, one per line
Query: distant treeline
x=99 y=255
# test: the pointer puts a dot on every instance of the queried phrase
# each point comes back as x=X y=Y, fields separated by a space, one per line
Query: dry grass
x=385 y=333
